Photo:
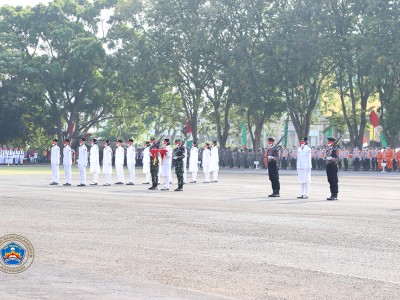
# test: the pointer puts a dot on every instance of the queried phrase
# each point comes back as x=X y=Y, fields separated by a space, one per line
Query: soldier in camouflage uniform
x=154 y=164
x=178 y=156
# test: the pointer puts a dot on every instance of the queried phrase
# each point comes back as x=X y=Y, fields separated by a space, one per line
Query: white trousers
x=167 y=180
x=120 y=173
x=194 y=176
x=82 y=174
x=95 y=177
x=215 y=175
x=148 y=177
x=55 y=173
x=131 y=168
x=207 y=177
x=304 y=188
x=108 y=178
x=67 y=171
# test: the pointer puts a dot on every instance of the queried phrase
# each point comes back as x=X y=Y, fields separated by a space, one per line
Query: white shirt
x=83 y=156
x=67 y=155
x=55 y=154
x=131 y=155
x=119 y=155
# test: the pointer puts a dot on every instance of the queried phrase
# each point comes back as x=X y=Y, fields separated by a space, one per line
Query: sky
x=22 y=2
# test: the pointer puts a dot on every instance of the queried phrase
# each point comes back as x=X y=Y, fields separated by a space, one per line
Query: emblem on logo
x=16 y=254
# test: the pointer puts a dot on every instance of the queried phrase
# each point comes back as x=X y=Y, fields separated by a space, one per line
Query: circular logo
x=16 y=254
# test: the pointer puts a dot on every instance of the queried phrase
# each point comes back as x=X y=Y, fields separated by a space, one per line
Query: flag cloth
x=189 y=135
x=71 y=127
x=365 y=142
x=244 y=135
x=286 y=132
x=374 y=118
x=383 y=139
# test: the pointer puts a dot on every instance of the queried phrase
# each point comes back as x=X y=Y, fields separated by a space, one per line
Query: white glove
x=329 y=158
x=270 y=157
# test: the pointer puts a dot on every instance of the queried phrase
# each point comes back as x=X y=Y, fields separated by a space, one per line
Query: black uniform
x=179 y=156
x=273 y=171
x=332 y=172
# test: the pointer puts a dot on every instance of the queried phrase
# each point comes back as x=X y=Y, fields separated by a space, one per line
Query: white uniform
x=1 y=156
x=107 y=163
x=82 y=163
x=214 y=163
x=304 y=168
x=193 y=165
x=67 y=162
x=21 y=154
x=184 y=166
x=10 y=156
x=131 y=162
x=55 y=162
x=119 y=163
x=206 y=164
x=166 y=166
x=146 y=164
x=94 y=162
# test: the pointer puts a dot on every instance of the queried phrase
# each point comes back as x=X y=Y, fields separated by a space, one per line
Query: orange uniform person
x=380 y=159
x=389 y=158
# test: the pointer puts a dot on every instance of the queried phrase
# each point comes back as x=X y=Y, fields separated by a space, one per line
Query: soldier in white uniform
x=131 y=161
x=1 y=156
x=94 y=161
x=55 y=162
x=304 y=167
x=67 y=162
x=166 y=161
x=82 y=161
x=20 y=156
x=119 y=162
x=146 y=162
x=16 y=156
x=10 y=156
x=206 y=162
x=214 y=161
x=193 y=165
x=107 y=162
x=184 y=166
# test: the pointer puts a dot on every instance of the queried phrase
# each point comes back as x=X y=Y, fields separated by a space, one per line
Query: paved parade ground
x=224 y=240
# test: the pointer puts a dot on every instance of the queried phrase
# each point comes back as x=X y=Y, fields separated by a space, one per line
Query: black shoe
x=54 y=183
x=106 y=184
x=81 y=184
x=206 y=182
x=66 y=184
x=164 y=189
x=300 y=197
x=193 y=181
x=332 y=198
x=94 y=183
x=152 y=188
x=130 y=183
x=146 y=183
x=178 y=190
x=274 y=195
x=119 y=182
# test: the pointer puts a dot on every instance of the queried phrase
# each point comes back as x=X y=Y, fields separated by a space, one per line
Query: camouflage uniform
x=179 y=155
x=154 y=167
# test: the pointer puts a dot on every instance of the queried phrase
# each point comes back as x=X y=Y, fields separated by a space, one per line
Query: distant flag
x=286 y=132
x=243 y=135
x=71 y=128
x=365 y=142
x=374 y=118
x=189 y=135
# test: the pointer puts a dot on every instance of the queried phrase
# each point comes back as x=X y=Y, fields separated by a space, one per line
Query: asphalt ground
x=224 y=240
